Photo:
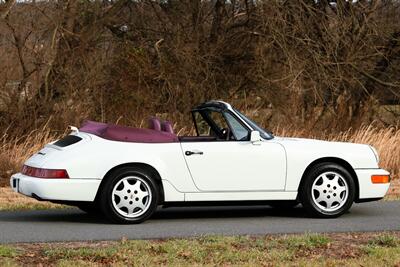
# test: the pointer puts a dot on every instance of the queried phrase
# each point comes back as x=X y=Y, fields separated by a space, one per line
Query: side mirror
x=255 y=137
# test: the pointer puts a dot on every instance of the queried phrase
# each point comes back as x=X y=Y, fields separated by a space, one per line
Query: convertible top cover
x=127 y=134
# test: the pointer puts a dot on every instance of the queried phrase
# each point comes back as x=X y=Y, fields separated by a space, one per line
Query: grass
x=361 y=249
x=385 y=240
x=7 y=255
x=11 y=201
x=15 y=150
x=306 y=241
x=8 y=252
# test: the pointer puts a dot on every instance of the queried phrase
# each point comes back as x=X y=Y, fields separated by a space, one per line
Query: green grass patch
x=307 y=241
x=288 y=250
x=381 y=244
x=385 y=240
x=8 y=251
x=213 y=250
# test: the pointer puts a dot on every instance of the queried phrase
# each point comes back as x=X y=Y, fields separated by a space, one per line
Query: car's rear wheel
x=129 y=195
x=328 y=191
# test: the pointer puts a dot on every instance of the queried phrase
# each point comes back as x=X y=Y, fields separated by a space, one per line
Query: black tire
x=106 y=197
x=306 y=192
x=284 y=204
x=90 y=208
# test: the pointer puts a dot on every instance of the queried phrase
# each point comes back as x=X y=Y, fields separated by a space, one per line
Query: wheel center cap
x=330 y=191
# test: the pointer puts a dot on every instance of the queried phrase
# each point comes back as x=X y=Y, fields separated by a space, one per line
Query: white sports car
x=125 y=173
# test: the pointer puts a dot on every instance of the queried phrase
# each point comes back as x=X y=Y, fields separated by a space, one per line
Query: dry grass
x=9 y=200
x=14 y=151
x=340 y=249
x=386 y=141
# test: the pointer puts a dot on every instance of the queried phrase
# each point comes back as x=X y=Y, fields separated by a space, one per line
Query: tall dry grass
x=385 y=140
x=14 y=151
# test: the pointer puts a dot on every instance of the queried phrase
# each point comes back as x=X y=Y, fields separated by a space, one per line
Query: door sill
x=240 y=196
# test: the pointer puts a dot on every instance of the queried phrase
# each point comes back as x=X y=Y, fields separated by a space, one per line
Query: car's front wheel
x=129 y=195
x=328 y=191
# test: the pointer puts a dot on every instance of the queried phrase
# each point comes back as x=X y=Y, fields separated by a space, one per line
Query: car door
x=234 y=164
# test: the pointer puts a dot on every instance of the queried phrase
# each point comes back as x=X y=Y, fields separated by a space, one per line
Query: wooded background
x=312 y=64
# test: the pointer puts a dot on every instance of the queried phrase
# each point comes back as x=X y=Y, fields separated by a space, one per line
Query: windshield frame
x=263 y=133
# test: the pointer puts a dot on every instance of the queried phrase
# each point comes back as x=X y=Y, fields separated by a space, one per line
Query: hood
x=309 y=141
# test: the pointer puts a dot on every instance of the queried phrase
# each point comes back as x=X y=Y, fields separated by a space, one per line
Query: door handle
x=189 y=153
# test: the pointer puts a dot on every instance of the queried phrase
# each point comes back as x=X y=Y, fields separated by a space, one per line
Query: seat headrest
x=166 y=126
x=154 y=124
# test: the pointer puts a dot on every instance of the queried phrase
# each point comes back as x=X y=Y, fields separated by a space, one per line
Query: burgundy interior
x=166 y=126
x=154 y=124
x=158 y=132
x=128 y=134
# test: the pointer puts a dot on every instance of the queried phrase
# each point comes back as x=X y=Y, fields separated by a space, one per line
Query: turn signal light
x=44 y=173
x=380 y=179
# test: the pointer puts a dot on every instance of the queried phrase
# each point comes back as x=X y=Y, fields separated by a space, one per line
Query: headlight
x=375 y=153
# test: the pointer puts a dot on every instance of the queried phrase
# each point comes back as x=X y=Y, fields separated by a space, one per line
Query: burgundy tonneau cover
x=127 y=134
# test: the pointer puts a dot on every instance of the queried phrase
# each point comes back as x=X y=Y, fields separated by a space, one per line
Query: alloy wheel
x=329 y=191
x=131 y=196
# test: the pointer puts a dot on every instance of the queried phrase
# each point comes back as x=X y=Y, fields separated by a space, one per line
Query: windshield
x=264 y=134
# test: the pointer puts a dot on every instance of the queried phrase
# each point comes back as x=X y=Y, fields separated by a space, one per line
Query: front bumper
x=55 y=189
x=367 y=189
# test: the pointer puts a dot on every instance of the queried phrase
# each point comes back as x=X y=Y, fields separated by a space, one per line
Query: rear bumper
x=55 y=189
x=368 y=190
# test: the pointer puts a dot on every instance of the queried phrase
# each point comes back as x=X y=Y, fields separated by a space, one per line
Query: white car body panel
x=302 y=152
x=58 y=189
x=265 y=166
x=237 y=196
x=367 y=188
x=227 y=170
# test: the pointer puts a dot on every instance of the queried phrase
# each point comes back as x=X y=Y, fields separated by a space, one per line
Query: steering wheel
x=225 y=133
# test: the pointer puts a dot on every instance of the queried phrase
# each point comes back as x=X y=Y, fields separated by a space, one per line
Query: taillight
x=44 y=173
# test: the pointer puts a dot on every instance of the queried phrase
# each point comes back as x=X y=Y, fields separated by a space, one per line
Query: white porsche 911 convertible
x=125 y=173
